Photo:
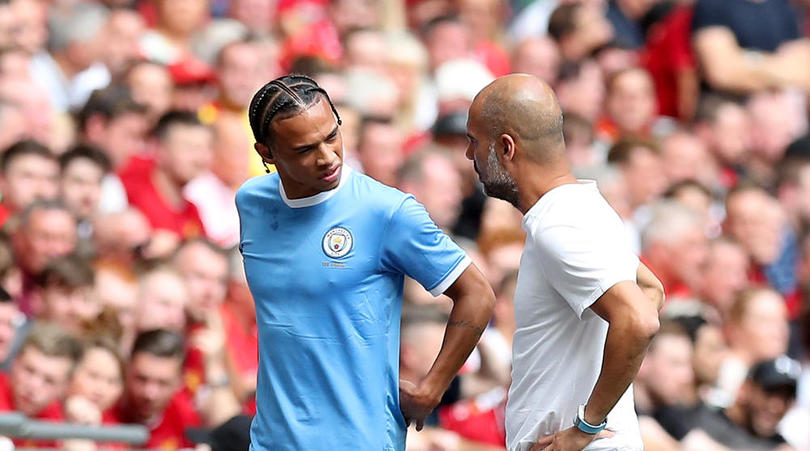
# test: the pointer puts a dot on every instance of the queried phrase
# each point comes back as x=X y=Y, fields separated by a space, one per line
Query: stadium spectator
x=379 y=149
x=630 y=106
x=64 y=295
x=725 y=274
x=435 y=182
x=757 y=329
x=151 y=85
x=83 y=170
x=40 y=376
x=162 y=300
x=153 y=376
x=674 y=245
x=72 y=67
x=28 y=171
x=579 y=28
x=640 y=165
x=46 y=230
x=538 y=56
x=155 y=186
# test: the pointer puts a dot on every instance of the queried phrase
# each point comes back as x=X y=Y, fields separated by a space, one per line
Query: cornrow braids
x=283 y=97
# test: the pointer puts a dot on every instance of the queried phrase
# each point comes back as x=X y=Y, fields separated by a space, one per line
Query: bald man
x=585 y=307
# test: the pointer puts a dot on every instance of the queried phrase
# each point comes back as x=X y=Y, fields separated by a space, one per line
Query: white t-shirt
x=576 y=249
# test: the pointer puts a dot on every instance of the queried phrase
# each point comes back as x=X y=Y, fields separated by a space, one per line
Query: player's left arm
x=473 y=301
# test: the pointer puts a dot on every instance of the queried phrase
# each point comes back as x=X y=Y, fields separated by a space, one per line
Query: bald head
x=524 y=107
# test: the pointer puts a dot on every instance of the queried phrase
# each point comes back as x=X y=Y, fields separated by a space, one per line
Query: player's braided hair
x=282 y=98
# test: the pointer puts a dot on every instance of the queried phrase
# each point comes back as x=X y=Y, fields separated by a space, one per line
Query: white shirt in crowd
x=576 y=249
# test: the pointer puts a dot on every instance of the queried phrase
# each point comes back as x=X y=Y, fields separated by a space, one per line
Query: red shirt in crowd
x=53 y=412
x=168 y=432
x=143 y=195
x=668 y=54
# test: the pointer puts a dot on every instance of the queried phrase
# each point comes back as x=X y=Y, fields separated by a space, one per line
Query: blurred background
x=124 y=136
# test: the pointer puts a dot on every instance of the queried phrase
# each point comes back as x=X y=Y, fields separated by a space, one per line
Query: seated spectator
x=71 y=69
x=538 y=56
x=120 y=36
x=46 y=230
x=581 y=90
x=630 y=106
x=751 y=422
x=685 y=158
x=674 y=245
x=579 y=28
x=724 y=274
x=665 y=377
x=97 y=384
x=757 y=329
x=83 y=171
x=170 y=40
x=379 y=149
x=435 y=182
x=153 y=377
x=724 y=127
x=755 y=219
x=641 y=168
x=39 y=377
x=116 y=288
x=738 y=53
x=793 y=192
x=64 y=294
x=162 y=300
x=155 y=186
x=112 y=121
x=28 y=171
x=151 y=85
x=205 y=270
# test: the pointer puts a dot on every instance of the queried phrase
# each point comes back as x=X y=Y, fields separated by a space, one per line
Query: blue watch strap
x=584 y=426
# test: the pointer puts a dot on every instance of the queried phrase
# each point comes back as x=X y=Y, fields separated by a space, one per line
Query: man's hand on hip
x=571 y=439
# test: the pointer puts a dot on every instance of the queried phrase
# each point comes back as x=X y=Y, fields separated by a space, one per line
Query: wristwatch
x=584 y=426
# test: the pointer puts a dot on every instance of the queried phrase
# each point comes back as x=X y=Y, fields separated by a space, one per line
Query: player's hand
x=415 y=403
x=571 y=439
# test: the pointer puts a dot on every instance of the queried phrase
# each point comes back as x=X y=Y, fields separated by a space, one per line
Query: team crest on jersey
x=337 y=242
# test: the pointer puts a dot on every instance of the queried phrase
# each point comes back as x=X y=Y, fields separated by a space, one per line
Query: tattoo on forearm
x=467 y=325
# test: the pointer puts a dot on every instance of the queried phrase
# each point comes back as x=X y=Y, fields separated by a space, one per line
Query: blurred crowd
x=124 y=136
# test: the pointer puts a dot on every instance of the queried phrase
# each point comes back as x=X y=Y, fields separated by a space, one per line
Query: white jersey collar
x=317 y=198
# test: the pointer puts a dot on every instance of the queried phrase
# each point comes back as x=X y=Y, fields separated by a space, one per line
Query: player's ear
x=264 y=152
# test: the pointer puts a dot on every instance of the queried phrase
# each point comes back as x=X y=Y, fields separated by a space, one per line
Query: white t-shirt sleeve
x=582 y=261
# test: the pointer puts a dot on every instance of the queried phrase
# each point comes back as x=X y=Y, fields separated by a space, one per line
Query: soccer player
x=326 y=251
x=585 y=308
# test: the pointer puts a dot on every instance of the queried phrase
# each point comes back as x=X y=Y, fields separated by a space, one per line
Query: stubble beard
x=498 y=183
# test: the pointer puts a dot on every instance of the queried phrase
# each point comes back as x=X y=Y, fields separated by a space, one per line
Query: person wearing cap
x=765 y=397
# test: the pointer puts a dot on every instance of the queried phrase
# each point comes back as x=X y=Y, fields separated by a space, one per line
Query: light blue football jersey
x=326 y=273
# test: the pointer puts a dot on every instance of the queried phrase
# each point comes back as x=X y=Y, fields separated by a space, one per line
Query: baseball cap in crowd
x=191 y=71
x=232 y=435
x=451 y=124
x=782 y=372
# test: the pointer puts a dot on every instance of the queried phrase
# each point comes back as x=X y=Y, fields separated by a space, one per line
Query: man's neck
x=535 y=181
x=171 y=191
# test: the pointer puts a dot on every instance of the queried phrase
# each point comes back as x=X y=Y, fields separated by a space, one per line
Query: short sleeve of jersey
x=581 y=264
x=413 y=245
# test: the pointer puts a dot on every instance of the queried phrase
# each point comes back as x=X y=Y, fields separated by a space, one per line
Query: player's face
x=307 y=150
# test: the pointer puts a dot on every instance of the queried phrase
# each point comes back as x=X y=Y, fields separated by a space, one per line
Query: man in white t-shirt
x=585 y=307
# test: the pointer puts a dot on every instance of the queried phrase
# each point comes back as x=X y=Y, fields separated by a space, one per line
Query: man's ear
x=265 y=153
x=508 y=147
